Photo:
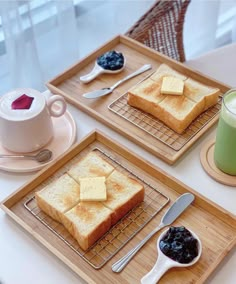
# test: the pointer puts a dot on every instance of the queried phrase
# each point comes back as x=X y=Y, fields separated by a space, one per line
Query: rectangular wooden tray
x=215 y=226
x=69 y=85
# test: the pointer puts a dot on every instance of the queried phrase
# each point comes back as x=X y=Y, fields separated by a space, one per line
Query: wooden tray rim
x=157 y=151
x=157 y=173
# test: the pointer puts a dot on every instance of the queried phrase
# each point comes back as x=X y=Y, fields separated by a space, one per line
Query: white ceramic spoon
x=164 y=263
x=97 y=70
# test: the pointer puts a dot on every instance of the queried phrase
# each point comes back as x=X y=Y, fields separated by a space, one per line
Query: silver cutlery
x=106 y=91
x=42 y=156
x=169 y=217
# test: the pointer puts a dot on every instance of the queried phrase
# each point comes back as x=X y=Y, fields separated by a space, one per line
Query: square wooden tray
x=215 y=226
x=69 y=85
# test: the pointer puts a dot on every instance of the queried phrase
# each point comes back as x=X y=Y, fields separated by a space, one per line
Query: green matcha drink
x=225 y=146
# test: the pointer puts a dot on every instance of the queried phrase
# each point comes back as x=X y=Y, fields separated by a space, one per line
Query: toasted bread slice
x=204 y=95
x=175 y=111
x=178 y=112
x=146 y=96
x=92 y=165
x=165 y=70
x=123 y=194
x=87 y=222
x=58 y=197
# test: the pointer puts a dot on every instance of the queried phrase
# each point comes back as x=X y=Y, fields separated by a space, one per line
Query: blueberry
x=172 y=230
x=180 y=229
x=111 y=60
x=178 y=236
x=179 y=244
x=165 y=247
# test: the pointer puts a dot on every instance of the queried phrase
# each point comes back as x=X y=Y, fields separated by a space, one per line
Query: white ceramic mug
x=27 y=130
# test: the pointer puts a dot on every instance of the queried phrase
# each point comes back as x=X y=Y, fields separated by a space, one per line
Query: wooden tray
x=215 y=226
x=69 y=85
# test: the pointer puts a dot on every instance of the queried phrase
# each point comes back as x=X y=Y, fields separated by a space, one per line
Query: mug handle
x=51 y=101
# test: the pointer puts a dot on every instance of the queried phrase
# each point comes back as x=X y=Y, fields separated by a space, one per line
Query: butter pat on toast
x=93 y=189
x=172 y=86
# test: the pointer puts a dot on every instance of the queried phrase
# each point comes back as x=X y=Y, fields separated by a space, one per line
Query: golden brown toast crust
x=89 y=221
x=85 y=213
x=58 y=197
x=175 y=111
x=91 y=165
x=123 y=193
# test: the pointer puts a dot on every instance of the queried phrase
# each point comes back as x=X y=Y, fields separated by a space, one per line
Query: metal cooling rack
x=156 y=128
x=119 y=235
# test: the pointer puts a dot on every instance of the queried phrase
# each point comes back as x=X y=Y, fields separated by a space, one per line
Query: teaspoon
x=42 y=156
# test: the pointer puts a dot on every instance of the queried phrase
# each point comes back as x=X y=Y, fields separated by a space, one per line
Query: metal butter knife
x=169 y=217
x=106 y=91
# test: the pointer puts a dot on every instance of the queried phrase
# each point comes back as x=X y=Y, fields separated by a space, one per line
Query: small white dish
x=96 y=71
x=164 y=263
x=64 y=136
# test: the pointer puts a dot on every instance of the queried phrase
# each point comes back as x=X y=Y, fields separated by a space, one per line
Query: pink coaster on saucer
x=64 y=137
x=207 y=161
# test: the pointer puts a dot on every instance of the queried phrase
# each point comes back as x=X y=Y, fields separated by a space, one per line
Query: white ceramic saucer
x=64 y=137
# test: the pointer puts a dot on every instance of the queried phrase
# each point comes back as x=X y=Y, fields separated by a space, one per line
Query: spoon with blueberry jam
x=177 y=247
x=111 y=62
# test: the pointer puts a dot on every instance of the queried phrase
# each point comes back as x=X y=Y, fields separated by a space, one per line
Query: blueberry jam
x=111 y=60
x=179 y=244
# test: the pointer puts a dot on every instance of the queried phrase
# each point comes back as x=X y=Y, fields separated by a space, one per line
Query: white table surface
x=24 y=260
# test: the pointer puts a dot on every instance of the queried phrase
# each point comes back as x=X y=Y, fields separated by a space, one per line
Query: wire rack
x=156 y=128
x=122 y=232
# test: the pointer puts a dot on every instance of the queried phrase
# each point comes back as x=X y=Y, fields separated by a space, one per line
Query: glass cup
x=225 y=145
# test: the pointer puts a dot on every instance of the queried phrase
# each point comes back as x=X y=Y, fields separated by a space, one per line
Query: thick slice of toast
x=58 y=197
x=177 y=112
x=123 y=194
x=164 y=70
x=87 y=222
x=146 y=96
x=204 y=95
x=92 y=165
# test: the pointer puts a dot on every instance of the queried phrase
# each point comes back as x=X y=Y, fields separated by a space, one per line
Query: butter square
x=172 y=86
x=93 y=189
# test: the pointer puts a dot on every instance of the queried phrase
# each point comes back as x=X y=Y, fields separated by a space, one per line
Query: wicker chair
x=161 y=28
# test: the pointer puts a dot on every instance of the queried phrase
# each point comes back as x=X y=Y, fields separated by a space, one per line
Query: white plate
x=64 y=137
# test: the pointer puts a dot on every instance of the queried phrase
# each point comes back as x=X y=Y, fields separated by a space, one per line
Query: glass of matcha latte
x=225 y=146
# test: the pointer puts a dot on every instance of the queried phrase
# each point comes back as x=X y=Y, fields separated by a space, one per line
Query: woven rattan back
x=161 y=28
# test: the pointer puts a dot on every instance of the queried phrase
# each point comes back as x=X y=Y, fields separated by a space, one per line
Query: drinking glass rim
x=226 y=94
